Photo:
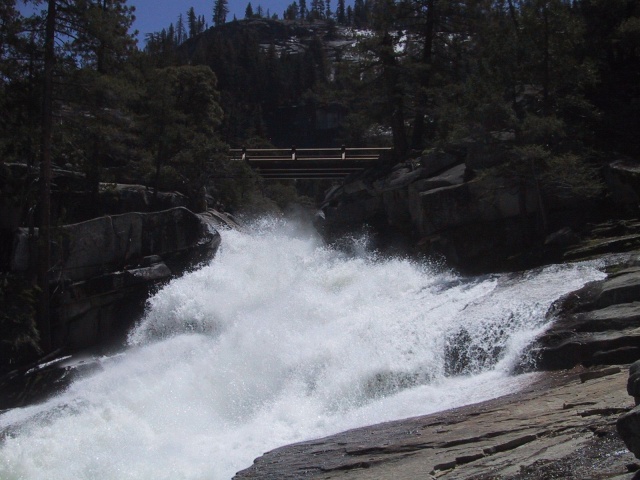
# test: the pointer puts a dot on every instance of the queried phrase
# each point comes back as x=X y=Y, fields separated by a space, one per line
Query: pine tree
x=85 y=45
x=220 y=11
x=182 y=114
x=360 y=14
x=292 y=12
x=181 y=32
x=248 y=13
x=303 y=9
x=317 y=10
x=192 y=22
x=341 y=14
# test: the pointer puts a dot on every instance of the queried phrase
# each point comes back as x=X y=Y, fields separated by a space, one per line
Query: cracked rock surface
x=561 y=426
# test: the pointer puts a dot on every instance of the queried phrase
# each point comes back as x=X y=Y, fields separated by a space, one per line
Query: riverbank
x=561 y=426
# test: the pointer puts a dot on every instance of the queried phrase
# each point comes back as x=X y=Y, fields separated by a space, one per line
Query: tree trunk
x=419 y=127
x=546 y=60
x=44 y=250
x=395 y=100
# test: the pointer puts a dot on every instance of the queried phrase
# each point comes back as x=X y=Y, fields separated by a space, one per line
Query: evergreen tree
x=359 y=14
x=612 y=42
x=341 y=14
x=182 y=115
x=102 y=40
x=292 y=12
x=248 y=13
x=91 y=37
x=303 y=9
x=192 y=22
x=317 y=10
x=220 y=11
x=181 y=32
x=20 y=87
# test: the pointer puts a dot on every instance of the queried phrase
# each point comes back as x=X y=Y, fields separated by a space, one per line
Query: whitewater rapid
x=282 y=339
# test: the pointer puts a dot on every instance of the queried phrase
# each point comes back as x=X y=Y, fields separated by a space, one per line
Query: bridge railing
x=293 y=153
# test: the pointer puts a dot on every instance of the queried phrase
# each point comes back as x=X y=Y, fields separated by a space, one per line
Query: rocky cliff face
x=596 y=325
x=104 y=268
x=453 y=204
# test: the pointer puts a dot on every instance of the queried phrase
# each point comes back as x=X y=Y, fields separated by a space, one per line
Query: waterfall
x=282 y=339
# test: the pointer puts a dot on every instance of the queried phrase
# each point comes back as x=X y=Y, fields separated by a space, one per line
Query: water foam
x=282 y=339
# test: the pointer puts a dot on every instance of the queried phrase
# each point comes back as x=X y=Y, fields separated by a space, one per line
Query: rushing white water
x=278 y=340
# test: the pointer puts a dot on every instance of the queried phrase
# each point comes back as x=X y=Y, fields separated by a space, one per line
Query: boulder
x=435 y=162
x=104 y=268
x=623 y=182
x=106 y=244
x=358 y=209
x=479 y=200
x=396 y=207
x=102 y=308
x=118 y=198
x=628 y=424
x=397 y=179
x=633 y=383
x=562 y=238
x=449 y=178
x=598 y=324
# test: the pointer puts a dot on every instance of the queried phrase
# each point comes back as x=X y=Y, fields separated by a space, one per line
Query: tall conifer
x=220 y=11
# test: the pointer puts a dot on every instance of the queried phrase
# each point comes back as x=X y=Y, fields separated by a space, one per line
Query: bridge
x=308 y=163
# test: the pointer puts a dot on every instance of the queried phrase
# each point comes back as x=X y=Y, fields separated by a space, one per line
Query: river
x=281 y=339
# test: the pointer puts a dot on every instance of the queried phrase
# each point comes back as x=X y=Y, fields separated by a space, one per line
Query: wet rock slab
x=562 y=426
x=596 y=325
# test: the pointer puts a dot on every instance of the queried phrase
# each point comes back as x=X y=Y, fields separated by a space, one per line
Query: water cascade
x=282 y=339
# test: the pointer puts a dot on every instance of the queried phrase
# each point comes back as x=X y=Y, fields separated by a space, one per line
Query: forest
x=551 y=88
x=559 y=78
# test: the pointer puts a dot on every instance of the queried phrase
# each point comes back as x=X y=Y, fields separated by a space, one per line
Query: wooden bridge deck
x=308 y=163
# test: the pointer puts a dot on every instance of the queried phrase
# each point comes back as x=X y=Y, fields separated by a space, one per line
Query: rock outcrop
x=623 y=176
x=103 y=269
x=562 y=426
x=628 y=425
x=455 y=204
x=596 y=325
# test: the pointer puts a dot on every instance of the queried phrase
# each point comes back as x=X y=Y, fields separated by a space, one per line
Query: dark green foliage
x=220 y=11
x=341 y=13
x=554 y=76
x=180 y=117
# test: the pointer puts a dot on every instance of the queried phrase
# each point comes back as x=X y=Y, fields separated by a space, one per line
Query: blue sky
x=154 y=15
